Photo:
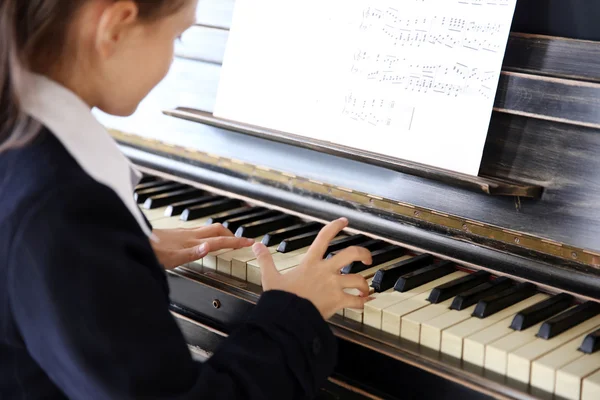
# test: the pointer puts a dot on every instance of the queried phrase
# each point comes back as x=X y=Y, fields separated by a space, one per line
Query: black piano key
x=234 y=223
x=162 y=200
x=591 y=343
x=208 y=209
x=179 y=207
x=472 y=296
x=423 y=276
x=343 y=242
x=568 y=319
x=231 y=214
x=453 y=288
x=378 y=257
x=499 y=301
x=141 y=195
x=297 y=242
x=385 y=278
x=276 y=237
x=371 y=245
x=147 y=178
x=540 y=311
x=262 y=227
x=150 y=184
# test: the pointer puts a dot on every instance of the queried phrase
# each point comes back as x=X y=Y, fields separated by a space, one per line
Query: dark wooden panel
x=554 y=99
x=576 y=19
x=553 y=56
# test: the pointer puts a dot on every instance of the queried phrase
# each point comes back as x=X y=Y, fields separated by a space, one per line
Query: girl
x=83 y=294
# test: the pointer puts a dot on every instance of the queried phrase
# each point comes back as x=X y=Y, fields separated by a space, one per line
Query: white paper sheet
x=410 y=79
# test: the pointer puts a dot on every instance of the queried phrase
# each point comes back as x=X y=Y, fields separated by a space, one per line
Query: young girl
x=83 y=294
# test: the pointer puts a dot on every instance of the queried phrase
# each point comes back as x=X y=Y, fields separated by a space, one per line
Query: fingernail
x=249 y=241
x=344 y=220
x=256 y=248
x=202 y=249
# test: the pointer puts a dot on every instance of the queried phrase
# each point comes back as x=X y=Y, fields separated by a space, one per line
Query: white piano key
x=410 y=327
x=391 y=317
x=210 y=260
x=358 y=314
x=167 y=223
x=431 y=331
x=496 y=353
x=569 y=378
x=282 y=256
x=155 y=214
x=239 y=263
x=543 y=370
x=224 y=260
x=519 y=361
x=590 y=389
x=453 y=337
x=474 y=346
x=373 y=312
x=175 y=222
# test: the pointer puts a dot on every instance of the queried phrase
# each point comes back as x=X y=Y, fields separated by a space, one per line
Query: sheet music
x=410 y=79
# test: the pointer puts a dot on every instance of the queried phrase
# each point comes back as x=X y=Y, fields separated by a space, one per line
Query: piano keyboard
x=545 y=343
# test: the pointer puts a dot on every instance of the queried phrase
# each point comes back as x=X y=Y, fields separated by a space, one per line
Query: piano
x=484 y=287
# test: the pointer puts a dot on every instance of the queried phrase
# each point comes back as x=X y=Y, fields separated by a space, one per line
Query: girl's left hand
x=176 y=247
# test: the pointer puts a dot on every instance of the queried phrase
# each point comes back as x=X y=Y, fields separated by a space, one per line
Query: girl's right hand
x=317 y=279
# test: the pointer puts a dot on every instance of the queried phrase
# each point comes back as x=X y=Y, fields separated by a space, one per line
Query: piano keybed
x=541 y=343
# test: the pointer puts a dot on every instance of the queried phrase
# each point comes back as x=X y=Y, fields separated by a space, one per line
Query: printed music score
x=407 y=43
x=451 y=80
x=409 y=79
x=376 y=112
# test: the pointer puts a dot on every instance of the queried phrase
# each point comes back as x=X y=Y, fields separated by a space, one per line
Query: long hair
x=33 y=36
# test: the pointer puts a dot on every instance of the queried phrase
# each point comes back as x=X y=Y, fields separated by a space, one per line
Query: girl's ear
x=117 y=20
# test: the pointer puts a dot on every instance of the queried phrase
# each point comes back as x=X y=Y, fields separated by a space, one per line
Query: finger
x=226 y=242
x=187 y=255
x=326 y=235
x=213 y=230
x=350 y=301
x=268 y=270
x=349 y=255
x=354 y=281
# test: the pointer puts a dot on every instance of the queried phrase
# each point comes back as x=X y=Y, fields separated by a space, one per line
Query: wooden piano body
x=542 y=146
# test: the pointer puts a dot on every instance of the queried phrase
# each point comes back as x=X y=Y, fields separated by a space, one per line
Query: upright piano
x=484 y=287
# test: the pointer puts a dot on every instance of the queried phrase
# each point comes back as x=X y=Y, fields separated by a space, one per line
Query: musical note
x=449 y=79
x=432 y=31
x=399 y=51
x=377 y=111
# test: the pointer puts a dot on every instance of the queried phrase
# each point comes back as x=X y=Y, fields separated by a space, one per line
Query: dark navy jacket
x=84 y=303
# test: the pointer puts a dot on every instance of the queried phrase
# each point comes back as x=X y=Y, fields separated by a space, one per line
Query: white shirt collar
x=88 y=142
